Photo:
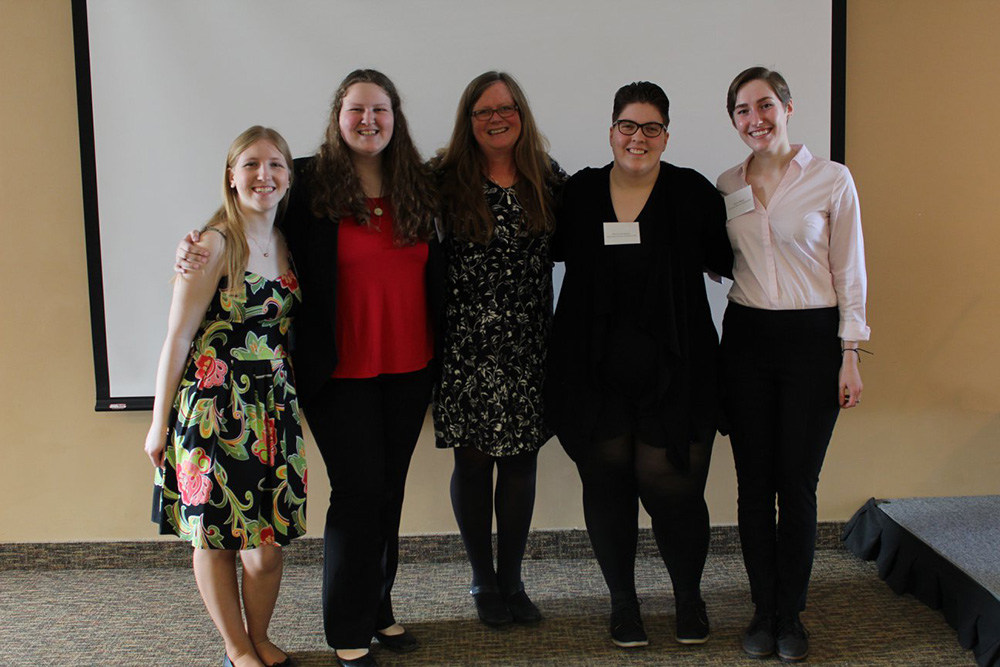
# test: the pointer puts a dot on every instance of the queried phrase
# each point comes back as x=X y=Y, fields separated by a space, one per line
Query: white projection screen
x=164 y=87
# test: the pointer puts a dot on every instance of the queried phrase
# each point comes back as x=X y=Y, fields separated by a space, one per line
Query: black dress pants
x=366 y=431
x=781 y=372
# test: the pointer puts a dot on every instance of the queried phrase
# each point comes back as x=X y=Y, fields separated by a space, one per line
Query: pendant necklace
x=506 y=191
x=378 y=209
x=266 y=252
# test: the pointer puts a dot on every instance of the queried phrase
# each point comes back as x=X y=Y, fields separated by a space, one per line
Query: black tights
x=473 y=499
x=616 y=475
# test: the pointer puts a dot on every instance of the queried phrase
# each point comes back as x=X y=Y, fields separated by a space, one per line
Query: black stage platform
x=946 y=553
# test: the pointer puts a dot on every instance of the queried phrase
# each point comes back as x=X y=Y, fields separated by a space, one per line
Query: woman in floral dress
x=496 y=187
x=226 y=439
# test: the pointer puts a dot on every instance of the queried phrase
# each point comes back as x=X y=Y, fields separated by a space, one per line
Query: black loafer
x=367 y=660
x=401 y=643
x=491 y=607
x=522 y=608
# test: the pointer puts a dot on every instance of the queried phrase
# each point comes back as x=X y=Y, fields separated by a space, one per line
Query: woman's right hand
x=156 y=445
x=189 y=256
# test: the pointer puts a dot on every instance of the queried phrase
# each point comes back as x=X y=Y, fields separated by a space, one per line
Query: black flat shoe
x=401 y=643
x=287 y=662
x=522 y=608
x=364 y=661
x=491 y=607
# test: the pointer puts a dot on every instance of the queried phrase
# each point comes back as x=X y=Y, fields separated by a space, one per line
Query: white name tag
x=739 y=202
x=621 y=233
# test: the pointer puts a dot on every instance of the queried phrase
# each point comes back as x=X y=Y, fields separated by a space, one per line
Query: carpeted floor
x=153 y=616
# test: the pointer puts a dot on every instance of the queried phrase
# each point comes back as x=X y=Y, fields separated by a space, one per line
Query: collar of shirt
x=802 y=158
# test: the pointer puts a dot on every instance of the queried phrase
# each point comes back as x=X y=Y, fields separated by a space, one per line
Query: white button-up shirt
x=805 y=249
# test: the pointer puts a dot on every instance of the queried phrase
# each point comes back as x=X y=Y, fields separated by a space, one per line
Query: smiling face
x=496 y=135
x=366 y=119
x=761 y=119
x=638 y=154
x=260 y=177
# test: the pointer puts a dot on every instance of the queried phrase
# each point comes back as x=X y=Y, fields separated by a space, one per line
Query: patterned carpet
x=142 y=615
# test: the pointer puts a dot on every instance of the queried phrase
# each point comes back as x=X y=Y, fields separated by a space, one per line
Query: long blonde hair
x=229 y=218
x=462 y=165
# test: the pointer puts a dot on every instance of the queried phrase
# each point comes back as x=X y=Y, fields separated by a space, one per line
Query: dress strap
x=216 y=230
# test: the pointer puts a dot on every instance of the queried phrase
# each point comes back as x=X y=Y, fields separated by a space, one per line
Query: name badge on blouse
x=621 y=233
x=739 y=202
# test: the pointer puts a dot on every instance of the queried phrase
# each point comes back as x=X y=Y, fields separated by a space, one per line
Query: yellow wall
x=921 y=141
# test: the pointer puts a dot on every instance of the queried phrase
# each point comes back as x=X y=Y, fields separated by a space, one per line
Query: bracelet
x=856 y=350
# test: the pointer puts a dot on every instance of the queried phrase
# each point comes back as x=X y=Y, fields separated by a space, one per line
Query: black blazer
x=688 y=235
x=313 y=244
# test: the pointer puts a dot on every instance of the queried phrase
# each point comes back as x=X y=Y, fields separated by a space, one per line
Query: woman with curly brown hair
x=361 y=231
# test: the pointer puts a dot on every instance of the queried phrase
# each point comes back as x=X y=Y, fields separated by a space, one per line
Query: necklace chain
x=506 y=190
x=264 y=250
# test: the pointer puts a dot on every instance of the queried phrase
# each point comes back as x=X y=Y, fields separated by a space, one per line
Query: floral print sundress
x=235 y=472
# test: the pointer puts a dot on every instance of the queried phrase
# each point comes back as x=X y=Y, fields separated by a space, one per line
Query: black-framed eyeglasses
x=630 y=127
x=506 y=111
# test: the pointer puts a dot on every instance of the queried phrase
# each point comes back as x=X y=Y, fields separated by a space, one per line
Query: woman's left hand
x=155 y=445
x=850 y=380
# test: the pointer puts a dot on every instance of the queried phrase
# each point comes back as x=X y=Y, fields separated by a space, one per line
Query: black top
x=313 y=243
x=651 y=296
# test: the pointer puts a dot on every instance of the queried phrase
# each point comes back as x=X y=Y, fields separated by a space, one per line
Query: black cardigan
x=689 y=236
x=313 y=244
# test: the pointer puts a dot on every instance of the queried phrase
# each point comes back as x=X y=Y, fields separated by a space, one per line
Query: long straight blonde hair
x=229 y=219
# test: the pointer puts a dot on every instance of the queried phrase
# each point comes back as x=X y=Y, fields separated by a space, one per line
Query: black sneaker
x=692 y=622
x=758 y=640
x=626 y=627
x=792 y=639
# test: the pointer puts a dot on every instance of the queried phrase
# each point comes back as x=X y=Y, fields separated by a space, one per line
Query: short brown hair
x=773 y=79
x=641 y=92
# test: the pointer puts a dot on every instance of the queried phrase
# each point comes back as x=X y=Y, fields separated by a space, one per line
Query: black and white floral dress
x=498 y=311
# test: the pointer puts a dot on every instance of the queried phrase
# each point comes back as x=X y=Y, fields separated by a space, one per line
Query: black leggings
x=473 y=499
x=616 y=475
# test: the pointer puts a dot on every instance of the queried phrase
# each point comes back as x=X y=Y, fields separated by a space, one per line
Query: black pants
x=619 y=472
x=781 y=374
x=366 y=431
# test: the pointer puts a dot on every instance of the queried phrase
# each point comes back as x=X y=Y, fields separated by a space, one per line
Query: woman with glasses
x=799 y=278
x=496 y=183
x=361 y=231
x=631 y=388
